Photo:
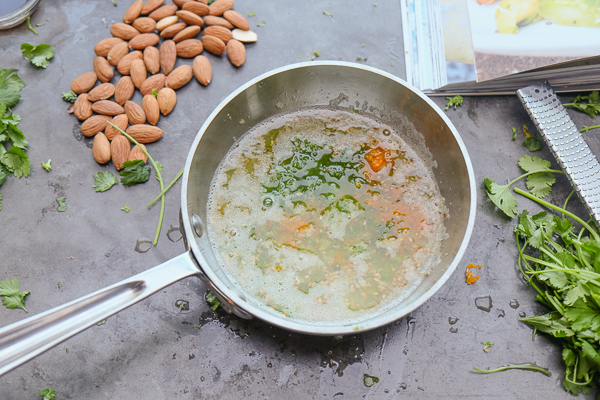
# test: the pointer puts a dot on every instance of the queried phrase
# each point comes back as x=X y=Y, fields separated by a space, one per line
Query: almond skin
x=190 y=18
x=173 y=30
x=150 y=107
x=84 y=82
x=179 y=77
x=119 y=150
x=154 y=82
x=144 y=24
x=163 y=12
x=166 y=100
x=152 y=59
x=93 y=125
x=82 y=108
x=181 y=3
x=121 y=121
x=145 y=133
x=123 y=31
x=151 y=5
x=220 y=6
x=202 y=70
x=101 y=92
x=197 y=8
x=167 y=22
x=236 y=19
x=168 y=56
x=211 y=20
x=218 y=31
x=138 y=154
x=134 y=11
x=101 y=149
x=190 y=48
x=236 y=52
x=103 y=69
x=103 y=47
x=138 y=72
x=124 y=90
x=135 y=113
x=124 y=65
x=187 y=33
x=213 y=44
x=118 y=51
x=107 y=107
x=143 y=40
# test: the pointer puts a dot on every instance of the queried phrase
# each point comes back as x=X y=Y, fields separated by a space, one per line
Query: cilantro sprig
x=13 y=298
x=454 y=102
x=589 y=104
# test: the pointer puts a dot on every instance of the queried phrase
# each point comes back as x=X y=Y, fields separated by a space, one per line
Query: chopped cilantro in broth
x=325 y=215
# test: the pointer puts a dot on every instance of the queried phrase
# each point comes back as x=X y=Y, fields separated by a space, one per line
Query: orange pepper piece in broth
x=376 y=159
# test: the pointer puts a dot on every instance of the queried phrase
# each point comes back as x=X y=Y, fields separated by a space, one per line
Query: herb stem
x=530 y=367
x=167 y=188
x=555 y=171
x=29 y=25
x=587 y=128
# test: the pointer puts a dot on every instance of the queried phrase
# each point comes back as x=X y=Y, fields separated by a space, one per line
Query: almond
x=190 y=18
x=220 y=6
x=154 y=82
x=125 y=64
x=218 y=31
x=197 y=8
x=213 y=44
x=236 y=19
x=93 y=125
x=138 y=154
x=103 y=47
x=101 y=149
x=144 y=24
x=135 y=113
x=163 y=12
x=124 y=90
x=151 y=5
x=103 y=69
x=152 y=59
x=82 y=108
x=134 y=11
x=138 y=72
x=244 y=36
x=150 y=107
x=168 y=56
x=143 y=40
x=83 y=83
x=107 y=107
x=166 y=100
x=236 y=52
x=181 y=3
x=187 y=33
x=202 y=70
x=173 y=30
x=189 y=48
x=203 y=1
x=123 y=31
x=211 y=20
x=101 y=92
x=179 y=77
x=145 y=133
x=120 y=121
x=119 y=150
x=166 y=22
x=118 y=51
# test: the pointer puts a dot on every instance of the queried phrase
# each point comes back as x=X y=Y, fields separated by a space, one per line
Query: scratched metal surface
x=153 y=349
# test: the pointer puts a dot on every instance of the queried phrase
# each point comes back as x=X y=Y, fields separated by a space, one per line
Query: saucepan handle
x=26 y=339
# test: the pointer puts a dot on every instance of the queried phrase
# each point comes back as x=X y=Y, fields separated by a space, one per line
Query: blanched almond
x=244 y=36
x=166 y=22
x=124 y=90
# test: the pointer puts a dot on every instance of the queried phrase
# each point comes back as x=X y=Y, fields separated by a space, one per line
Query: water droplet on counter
x=453 y=329
x=522 y=314
x=143 y=245
x=387 y=132
x=403 y=385
x=106 y=254
x=452 y=320
x=514 y=303
x=484 y=303
x=174 y=234
x=502 y=313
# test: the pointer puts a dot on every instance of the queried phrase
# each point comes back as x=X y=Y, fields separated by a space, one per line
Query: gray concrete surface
x=154 y=350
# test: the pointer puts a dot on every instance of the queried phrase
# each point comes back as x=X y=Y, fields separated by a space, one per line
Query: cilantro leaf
x=69 y=97
x=552 y=323
x=47 y=394
x=104 y=181
x=62 y=204
x=502 y=197
x=540 y=184
x=39 y=54
x=12 y=298
x=591 y=108
x=15 y=160
x=212 y=300
x=133 y=172
x=533 y=164
x=46 y=165
x=10 y=87
x=533 y=143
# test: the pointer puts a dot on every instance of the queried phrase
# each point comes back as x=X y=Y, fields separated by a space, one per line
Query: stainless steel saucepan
x=334 y=84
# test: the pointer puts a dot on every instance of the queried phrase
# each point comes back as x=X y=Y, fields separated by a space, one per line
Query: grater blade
x=565 y=141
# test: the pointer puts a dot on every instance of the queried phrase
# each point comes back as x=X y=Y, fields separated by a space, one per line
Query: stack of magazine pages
x=497 y=47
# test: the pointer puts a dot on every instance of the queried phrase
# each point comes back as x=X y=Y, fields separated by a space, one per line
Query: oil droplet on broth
x=514 y=303
x=484 y=303
x=143 y=245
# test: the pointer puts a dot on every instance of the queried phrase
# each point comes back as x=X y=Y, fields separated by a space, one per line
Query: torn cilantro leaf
x=10 y=87
x=133 y=172
x=514 y=133
x=104 y=181
x=533 y=143
x=212 y=300
x=69 y=97
x=46 y=165
x=502 y=197
x=47 y=394
x=454 y=102
x=12 y=298
x=39 y=54
x=62 y=204
x=15 y=160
